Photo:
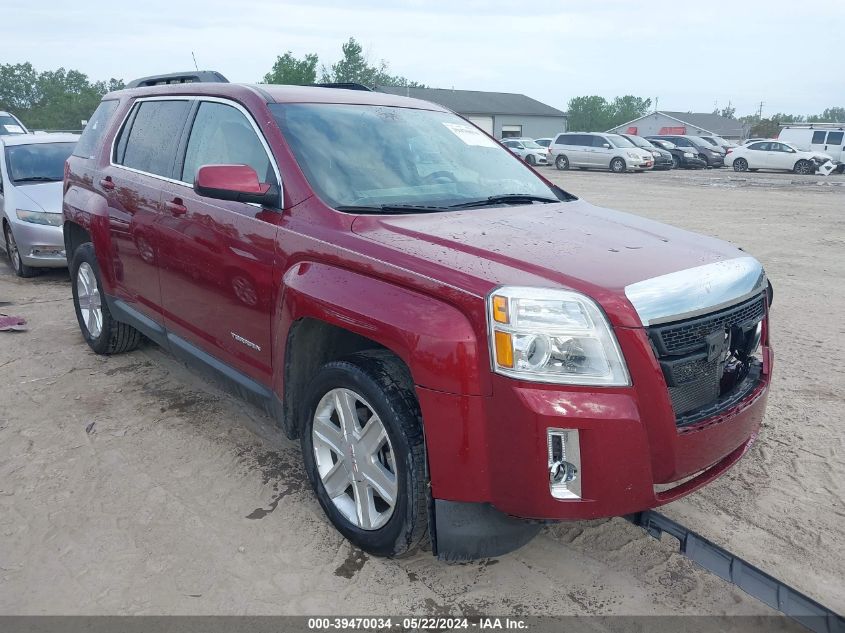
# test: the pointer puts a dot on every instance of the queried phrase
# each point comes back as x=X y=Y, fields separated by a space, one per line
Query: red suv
x=465 y=350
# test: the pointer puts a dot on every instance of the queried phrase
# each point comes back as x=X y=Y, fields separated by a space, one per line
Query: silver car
x=591 y=150
x=31 y=172
x=10 y=124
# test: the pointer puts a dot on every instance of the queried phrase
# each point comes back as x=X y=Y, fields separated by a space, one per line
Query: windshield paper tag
x=470 y=135
x=14 y=129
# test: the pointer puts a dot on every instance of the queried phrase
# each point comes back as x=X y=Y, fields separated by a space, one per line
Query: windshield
x=8 y=125
x=639 y=141
x=38 y=161
x=368 y=156
x=619 y=141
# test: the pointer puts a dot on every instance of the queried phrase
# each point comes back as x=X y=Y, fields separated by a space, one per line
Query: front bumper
x=641 y=165
x=693 y=163
x=493 y=449
x=40 y=245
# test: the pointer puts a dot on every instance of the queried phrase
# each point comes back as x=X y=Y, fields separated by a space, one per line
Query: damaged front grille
x=708 y=361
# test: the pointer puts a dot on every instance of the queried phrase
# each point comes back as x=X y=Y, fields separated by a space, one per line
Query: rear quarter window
x=94 y=130
x=835 y=138
x=818 y=137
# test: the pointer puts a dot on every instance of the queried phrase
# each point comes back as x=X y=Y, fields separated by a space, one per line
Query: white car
x=10 y=124
x=31 y=172
x=774 y=155
x=586 y=150
x=527 y=150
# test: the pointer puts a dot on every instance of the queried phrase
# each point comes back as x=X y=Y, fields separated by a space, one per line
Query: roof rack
x=345 y=85
x=194 y=76
x=814 y=126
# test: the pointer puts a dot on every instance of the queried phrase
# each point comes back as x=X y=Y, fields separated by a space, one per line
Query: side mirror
x=606 y=145
x=238 y=183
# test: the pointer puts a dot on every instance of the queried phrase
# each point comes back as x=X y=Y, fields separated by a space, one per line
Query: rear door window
x=148 y=140
x=87 y=144
x=835 y=138
x=818 y=137
x=222 y=135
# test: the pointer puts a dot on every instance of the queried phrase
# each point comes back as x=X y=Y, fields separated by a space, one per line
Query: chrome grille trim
x=695 y=291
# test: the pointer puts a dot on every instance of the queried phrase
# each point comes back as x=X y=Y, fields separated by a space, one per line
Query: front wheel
x=562 y=162
x=676 y=162
x=740 y=164
x=362 y=445
x=101 y=331
x=617 y=166
x=531 y=160
x=21 y=269
x=803 y=167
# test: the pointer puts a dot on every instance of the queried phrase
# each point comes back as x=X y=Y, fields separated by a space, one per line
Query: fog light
x=564 y=463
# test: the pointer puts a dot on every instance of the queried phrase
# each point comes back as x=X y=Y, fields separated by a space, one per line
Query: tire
x=378 y=384
x=740 y=164
x=617 y=166
x=803 y=167
x=562 y=162
x=531 y=160
x=15 y=261
x=101 y=331
x=676 y=162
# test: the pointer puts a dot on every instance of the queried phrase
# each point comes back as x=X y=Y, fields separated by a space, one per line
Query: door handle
x=176 y=207
x=106 y=183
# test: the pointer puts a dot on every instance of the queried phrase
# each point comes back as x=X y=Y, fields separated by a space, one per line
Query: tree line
x=61 y=99
x=597 y=114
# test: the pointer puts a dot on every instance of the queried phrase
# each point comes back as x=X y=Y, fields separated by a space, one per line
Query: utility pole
x=760 y=111
x=195 y=61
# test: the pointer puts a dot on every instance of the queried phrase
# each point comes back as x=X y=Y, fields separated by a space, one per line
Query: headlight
x=655 y=153
x=40 y=217
x=550 y=335
x=689 y=155
x=633 y=155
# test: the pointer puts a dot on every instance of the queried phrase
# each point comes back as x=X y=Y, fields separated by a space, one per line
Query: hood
x=46 y=196
x=573 y=245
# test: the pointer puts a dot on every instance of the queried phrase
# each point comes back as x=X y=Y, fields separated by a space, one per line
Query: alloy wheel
x=90 y=302
x=12 y=250
x=355 y=459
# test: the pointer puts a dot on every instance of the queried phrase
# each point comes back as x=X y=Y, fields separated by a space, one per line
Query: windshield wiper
x=37 y=179
x=392 y=208
x=509 y=198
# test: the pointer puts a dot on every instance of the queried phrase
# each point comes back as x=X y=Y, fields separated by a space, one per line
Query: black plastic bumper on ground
x=746 y=576
x=467 y=531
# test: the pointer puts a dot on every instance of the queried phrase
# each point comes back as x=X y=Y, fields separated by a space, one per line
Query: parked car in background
x=662 y=158
x=464 y=357
x=718 y=141
x=544 y=142
x=682 y=157
x=712 y=155
x=10 y=124
x=31 y=172
x=754 y=140
x=593 y=150
x=775 y=155
x=828 y=140
x=529 y=151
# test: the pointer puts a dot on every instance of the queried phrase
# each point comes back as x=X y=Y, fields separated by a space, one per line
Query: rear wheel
x=562 y=162
x=101 y=331
x=740 y=164
x=362 y=445
x=15 y=261
x=803 y=167
x=617 y=165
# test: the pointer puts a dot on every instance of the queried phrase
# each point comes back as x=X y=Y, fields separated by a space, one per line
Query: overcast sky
x=690 y=55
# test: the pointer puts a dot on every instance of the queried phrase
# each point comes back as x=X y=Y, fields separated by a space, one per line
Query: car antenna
x=195 y=61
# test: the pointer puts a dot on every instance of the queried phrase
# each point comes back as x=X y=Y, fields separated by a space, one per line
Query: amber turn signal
x=500 y=309
x=504 y=349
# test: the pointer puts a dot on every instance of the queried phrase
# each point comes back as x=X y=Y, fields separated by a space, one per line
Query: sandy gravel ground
x=128 y=485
